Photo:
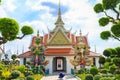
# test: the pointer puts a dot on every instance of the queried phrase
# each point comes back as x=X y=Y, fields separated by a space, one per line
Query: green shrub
x=117 y=76
x=106 y=65
x=27 y=73
x=108 y=59
x=87 y=71
x=117 y=72
x=106 y=78
x=107 y=75
x=97 y=77
x=20 y=78
x=29 y=78
x=41 y=72
x=81 y=76
x=89 y=77
x=81 y=71
x=110 y=75
x=15 y=74
x=0 y=72
x=93 y=71
x=104 y=75
x=104 y=71
x=112 y=69
x=21 y=68
x=38 y=70
x=37 y=77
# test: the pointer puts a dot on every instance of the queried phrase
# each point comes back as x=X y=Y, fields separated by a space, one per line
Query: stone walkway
x=55 y=77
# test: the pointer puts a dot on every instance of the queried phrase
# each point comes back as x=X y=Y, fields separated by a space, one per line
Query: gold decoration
x=59 y=38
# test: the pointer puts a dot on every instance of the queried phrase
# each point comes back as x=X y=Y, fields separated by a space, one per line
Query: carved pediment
x=59 y=38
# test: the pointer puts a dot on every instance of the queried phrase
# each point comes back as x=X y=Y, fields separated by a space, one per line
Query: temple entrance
x=59 y=64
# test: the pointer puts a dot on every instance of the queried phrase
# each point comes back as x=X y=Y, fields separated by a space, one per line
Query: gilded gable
x=59 y=38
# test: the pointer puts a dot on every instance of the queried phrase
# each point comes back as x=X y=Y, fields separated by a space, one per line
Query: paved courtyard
x=55 y=77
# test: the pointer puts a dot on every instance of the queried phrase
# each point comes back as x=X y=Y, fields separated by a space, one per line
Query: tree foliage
x=118 y=50
x=14 y=56
x=110 y=52
x=101 y=60
x=93 y=71
x=113 y=59
x=98 y=8
x=116 y=30
x=103 y=21
x=116 y=61
x=104 y=7
x=107 y=52
x=9 y=29
x=105 y=35
x=26 y=30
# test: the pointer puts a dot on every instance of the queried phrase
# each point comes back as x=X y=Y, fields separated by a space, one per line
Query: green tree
x=9 y=30
x=117 y=61
x=101 y=61
x=105 y=7
x=93 y=71
x=14 y=56
x=118 y=51
x=107 y=52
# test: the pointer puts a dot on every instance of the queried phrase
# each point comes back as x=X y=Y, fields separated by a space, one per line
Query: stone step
x=55 y=77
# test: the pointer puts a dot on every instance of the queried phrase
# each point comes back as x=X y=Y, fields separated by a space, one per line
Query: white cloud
x=99 y=1
x=37 y=25
x=2 y=12
x=9 y=5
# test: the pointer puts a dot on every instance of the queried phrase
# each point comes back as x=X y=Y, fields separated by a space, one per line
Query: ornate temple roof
x=59 y=36
x=59 y=52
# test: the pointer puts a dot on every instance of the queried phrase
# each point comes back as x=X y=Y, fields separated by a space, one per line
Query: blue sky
x=41 y=14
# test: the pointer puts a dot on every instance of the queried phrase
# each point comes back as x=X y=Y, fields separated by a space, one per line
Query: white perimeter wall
x=22 y=60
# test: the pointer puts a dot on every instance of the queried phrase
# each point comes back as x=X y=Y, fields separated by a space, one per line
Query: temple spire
x=80 y=32
x=17 y=50
x=59 y=21
x=38 y=33
x=23 y=48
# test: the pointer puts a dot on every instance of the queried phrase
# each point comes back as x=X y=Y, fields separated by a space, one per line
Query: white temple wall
x=21 y=61
x=97 y=62
x=69 y=66
x=49 y=65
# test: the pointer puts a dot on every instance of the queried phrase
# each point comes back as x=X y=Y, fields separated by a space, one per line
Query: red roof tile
x=73 y=39
x=93 y=54
x=59 y=51
x=84 y=39
x=45 y=39
x=68 y=35
x=25 y=55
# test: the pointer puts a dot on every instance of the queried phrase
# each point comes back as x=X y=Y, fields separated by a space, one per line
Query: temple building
x=63 y=50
